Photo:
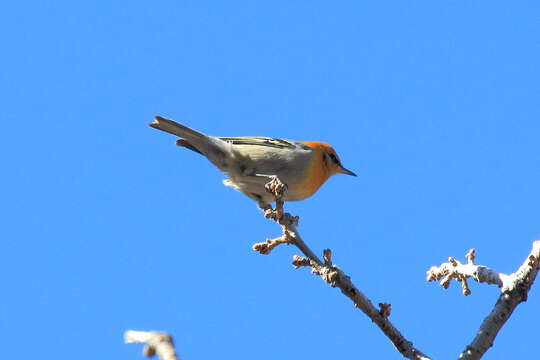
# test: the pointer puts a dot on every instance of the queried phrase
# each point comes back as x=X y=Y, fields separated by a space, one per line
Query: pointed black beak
x=346 y=172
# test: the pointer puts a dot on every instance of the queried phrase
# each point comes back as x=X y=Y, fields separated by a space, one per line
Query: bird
x=251 y=161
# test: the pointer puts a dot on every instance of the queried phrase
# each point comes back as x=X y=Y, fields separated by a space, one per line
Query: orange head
x=325 y=163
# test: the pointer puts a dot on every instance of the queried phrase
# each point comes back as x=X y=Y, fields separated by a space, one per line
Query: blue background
x=107 y=226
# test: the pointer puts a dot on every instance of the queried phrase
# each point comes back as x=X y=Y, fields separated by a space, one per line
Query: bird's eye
x=334 y=158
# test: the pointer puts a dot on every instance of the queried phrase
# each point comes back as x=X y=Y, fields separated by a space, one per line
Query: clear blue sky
x=107 y=226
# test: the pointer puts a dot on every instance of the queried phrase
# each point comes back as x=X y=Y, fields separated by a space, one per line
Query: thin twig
x=333 y=275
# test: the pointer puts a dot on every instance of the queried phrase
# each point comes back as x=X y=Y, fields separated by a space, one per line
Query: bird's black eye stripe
x=334 y=158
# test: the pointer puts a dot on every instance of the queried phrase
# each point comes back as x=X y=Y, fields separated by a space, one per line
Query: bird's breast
x=302 y=170
x=315 y=175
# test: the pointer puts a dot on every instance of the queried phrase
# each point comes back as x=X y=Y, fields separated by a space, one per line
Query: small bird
x=250 y=162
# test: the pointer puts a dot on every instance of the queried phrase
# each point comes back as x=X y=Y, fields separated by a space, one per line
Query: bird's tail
x=175 y=128
x=215 y=149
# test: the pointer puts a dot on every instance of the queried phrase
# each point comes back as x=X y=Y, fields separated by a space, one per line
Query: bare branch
x=156 y=343
x=453 y=269
x=333 y=275
x=514 y=290
x=266 y=247
x=299 y=261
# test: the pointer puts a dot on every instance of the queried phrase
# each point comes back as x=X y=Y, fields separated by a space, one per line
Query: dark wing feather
x=260 y=141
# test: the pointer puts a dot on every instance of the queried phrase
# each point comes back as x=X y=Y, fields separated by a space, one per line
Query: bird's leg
x=263 y=205
x=266 y=208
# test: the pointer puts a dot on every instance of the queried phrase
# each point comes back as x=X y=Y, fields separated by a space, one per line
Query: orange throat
x=318 y=172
